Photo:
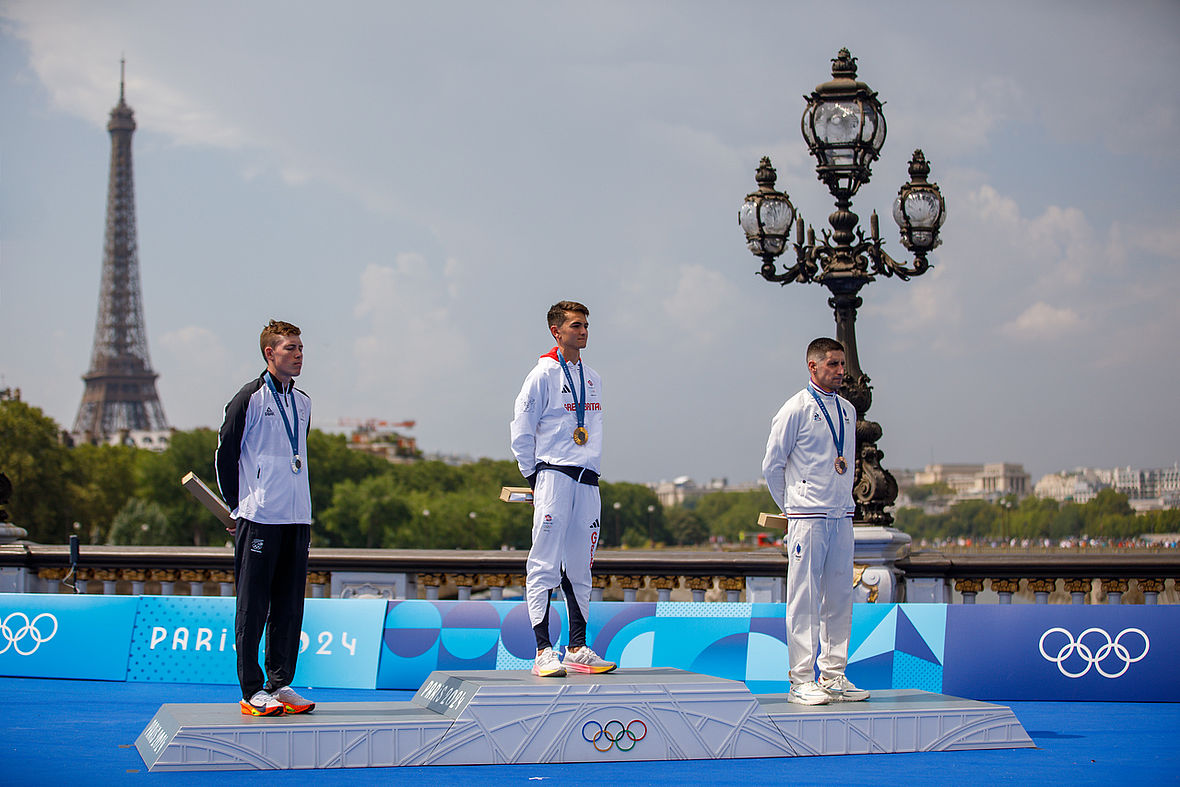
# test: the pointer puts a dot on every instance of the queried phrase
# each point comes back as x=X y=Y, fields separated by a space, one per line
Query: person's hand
x=232 y=529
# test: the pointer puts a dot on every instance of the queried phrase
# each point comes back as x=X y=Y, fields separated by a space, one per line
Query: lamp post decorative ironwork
x=844 y=128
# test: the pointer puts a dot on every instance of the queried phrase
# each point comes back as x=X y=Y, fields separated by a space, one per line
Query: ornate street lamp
x=844 y=127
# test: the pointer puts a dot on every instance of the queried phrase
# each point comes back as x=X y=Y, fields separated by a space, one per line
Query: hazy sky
x=413 y=184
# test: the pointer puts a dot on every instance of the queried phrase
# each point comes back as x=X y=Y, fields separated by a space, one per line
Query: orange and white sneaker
x=585 y=660
x=548 y=665
x=292 y=702
x=261 y=704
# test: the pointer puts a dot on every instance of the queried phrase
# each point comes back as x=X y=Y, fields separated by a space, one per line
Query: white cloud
x=928 y=310
x=195 y=353
x=1042 y=321
x=702 y=300
x=417 y=333
x=1162 y=239
x=965 y=120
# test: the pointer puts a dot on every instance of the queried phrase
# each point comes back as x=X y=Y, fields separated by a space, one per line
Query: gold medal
x=581 y=435
x=841 y=465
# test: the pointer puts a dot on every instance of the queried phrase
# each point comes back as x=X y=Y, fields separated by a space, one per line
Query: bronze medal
x=841 y=465
x=581 y=435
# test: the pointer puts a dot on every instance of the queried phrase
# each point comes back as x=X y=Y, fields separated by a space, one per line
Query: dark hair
x=819 y=348
x=274 y=331
x=558 y=311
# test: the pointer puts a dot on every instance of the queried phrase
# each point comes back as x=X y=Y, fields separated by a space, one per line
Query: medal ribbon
x=839 y=441
x=292 y=432
x=580 y=407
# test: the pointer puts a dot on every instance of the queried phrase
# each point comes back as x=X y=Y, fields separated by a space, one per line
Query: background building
x=988 y=481
x=1145 y=489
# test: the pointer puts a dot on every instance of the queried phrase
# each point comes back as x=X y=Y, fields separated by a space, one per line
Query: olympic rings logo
x=1094 y=657
x=624 y=738
x=30 y=629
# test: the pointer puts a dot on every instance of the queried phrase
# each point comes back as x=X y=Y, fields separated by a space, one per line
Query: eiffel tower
x=120 y=395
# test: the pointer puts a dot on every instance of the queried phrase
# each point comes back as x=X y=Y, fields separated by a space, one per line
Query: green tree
x=1109 y=515
x=145 y=523
x=38 y=464
x=369 y=513
x=922 y=492
x=686 y=526
x=158 y=480
x=729 y=514
x=638 y=519
x=105 y=481
x=1067 y=521
x=330 y=461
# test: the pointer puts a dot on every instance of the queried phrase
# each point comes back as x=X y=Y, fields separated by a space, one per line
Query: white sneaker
x=292 y=702
x=261 y=704
x=548 y=665
x=809 y=693
x=586 y=660
x=842 y=690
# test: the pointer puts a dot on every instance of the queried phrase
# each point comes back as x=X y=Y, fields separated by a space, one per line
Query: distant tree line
x=124 y=495
x=1108 y=516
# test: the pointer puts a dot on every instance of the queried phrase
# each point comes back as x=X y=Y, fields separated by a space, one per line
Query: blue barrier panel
x=897 y=646
x=1033 y=652
x=419 y=637
x=191 y=640
x=892 y=646
x=43 y=636
x=1010 y=652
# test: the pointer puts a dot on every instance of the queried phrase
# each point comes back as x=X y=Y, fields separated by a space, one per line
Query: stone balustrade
x=885 y=572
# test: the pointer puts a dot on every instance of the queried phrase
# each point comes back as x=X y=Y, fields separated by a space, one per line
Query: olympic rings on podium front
x=15 y=633
x=1094 y=657
x=624 y=737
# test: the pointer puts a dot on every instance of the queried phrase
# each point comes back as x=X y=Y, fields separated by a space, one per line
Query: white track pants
x=565 y=534
x=819 y=596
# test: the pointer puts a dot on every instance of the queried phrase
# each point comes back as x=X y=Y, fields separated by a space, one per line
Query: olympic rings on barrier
x=615 y=737
x=30 y=628
x=1094 y=658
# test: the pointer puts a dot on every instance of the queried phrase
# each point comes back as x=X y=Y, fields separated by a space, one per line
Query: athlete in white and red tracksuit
x=811 y=479
x=560 y=455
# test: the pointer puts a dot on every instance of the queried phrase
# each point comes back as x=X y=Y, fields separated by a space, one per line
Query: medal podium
x=488 y=717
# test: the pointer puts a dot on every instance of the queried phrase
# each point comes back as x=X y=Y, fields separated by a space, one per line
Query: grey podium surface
x=482 y=717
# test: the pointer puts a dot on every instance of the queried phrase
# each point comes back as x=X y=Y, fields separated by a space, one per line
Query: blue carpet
x=57 y=731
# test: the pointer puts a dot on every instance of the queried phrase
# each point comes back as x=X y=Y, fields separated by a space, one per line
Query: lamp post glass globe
x=844 y=128
x=919 y=208
x=767 y=220
x=767 y=215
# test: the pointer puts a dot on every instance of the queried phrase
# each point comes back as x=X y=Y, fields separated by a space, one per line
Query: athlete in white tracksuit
x=564 y=475
x=801 y=471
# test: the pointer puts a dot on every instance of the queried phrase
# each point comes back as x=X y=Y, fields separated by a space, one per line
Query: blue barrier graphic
x=45 y=636
x=1031 y=652
x=191 y=640
x=1010 y=652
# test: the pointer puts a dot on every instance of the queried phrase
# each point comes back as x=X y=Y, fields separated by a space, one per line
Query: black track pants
x=270 y=572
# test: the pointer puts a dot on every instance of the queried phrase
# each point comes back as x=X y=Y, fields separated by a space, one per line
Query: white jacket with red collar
x=544 y=417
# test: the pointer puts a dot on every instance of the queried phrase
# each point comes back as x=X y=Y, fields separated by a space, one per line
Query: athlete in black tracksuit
x=262 y=474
